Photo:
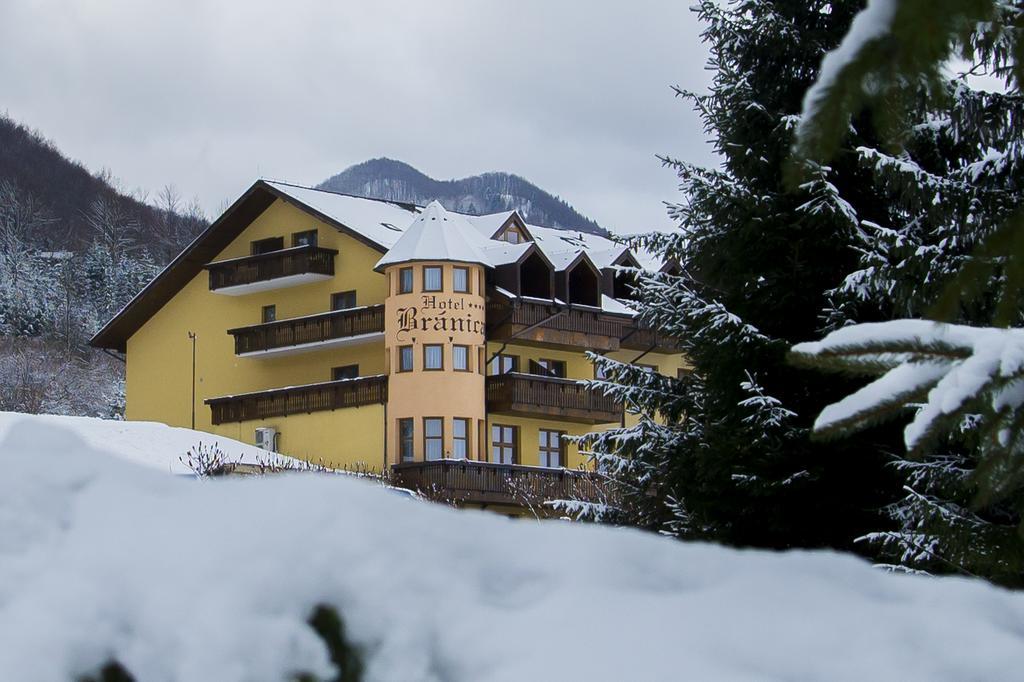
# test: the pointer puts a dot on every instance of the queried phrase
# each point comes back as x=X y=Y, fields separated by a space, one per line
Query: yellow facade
x=159 y=358
x=578 y=366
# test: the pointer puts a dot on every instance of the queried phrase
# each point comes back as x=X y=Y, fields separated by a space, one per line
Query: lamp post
x=192 y=338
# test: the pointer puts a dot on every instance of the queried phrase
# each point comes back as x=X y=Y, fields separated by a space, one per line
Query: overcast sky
x=573 y=95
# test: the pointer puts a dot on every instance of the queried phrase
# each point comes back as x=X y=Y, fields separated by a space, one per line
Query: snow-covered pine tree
x=733 y=461
x=115 y=266
x=110 y=280
x=25 y=292
x=955 y=182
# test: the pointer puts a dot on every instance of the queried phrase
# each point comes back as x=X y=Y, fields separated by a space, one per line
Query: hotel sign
x=441 y=314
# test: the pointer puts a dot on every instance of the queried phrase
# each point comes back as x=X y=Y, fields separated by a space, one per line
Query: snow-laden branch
x=948 y=367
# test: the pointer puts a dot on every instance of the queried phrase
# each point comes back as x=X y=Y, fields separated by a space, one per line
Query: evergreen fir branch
x=881 y=400
x=977 y=272
x=884 y=51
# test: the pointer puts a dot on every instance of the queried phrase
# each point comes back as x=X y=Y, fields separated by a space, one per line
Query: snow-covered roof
x=385 y=222
x=503 y=253
x=605 y=258
x=487 y=225
x=563 y=259
x=614 y=305
x=437 y=234
x=380 y=221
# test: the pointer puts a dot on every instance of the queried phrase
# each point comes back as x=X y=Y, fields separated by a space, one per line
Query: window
x=405 y=280
x=266 y=245
x=405 y=439
x=548 y=368
x=433 y=438
x=503 y=444
x=433 y=356
x=480 y=364
x=345 y=372
x=269 y=313
x=551 y=448
x=503 y=364
x=460 y=358
x=307 y=238
x=460 y=280
x=431 y=278
x=343 y=300
x=512 y=236
x=460 y=438
x=405 y=358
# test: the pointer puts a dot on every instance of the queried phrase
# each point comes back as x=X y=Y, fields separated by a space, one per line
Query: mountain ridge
x=491 y=192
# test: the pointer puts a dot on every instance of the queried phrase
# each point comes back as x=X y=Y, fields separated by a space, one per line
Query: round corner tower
x=434 y=340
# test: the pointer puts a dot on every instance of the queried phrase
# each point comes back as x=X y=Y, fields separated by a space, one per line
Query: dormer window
x=584 y=285
x=513 y=234
x=535 y=277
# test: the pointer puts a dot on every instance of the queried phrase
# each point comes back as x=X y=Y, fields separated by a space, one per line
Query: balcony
x=528 y=395
x=529 y=321
x=641 y=338
x=313 y=332
x=271 y=270
x=281 y=402
x=468 y=482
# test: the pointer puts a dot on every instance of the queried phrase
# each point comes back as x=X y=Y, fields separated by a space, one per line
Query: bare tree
x=114 y=227
x=176 y=224
x=22 y=221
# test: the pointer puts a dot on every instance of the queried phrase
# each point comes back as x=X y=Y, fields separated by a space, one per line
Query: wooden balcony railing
x=641 y=338
x=465 y=481
x=573 y=326
x=338 y=324
x=529 y=395
x=280 y=402
x=264 y=267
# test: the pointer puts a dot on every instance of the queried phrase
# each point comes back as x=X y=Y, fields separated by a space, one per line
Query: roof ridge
x=408 y=205
x=404 y=204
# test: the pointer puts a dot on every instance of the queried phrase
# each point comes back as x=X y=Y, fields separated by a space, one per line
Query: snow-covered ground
x=182 y=579
x=150 y=444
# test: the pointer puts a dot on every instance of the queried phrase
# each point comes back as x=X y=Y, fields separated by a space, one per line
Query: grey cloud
x=573 y=95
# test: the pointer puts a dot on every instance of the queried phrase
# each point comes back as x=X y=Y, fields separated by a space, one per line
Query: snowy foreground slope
x=150 y=444
x=183 y=579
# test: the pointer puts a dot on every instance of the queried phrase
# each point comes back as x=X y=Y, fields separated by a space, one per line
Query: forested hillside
x=73 y=250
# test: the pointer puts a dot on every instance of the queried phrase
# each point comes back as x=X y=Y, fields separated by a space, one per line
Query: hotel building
x=353 y=332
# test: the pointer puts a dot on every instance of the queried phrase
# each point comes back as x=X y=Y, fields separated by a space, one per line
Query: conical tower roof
x=437 y=235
